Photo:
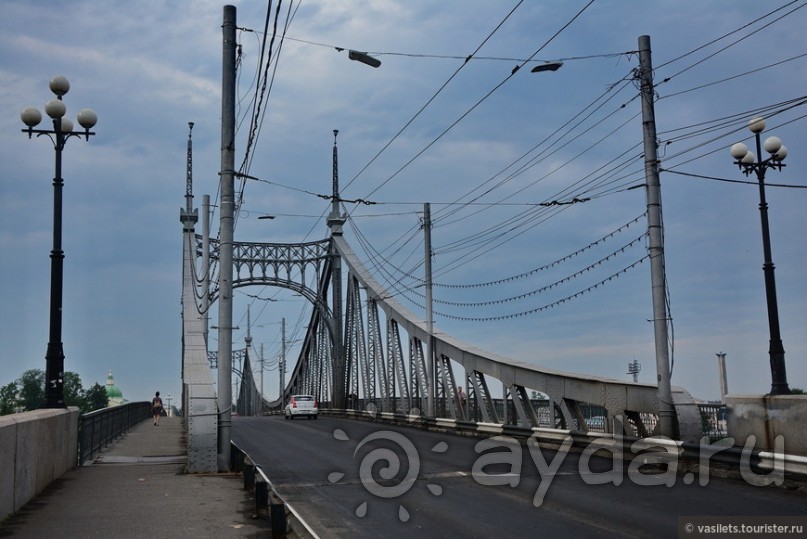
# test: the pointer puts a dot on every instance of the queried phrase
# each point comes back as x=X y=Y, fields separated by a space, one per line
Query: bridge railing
x=99 y=428
x=713 y=420
x=713 y=415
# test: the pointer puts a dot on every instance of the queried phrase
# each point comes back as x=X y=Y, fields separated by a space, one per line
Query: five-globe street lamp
x=61 y=131
x=747 y=161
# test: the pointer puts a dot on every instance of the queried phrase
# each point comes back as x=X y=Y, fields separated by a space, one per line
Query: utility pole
x=227 y=188
x=635 y=368
x=430 y=370
x=247 y=345
x=262 y=365
x=283 y=361
x=721 y=373
x=667 y=420
x=205 y=265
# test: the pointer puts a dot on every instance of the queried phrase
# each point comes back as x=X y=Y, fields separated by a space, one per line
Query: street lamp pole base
x=54 y=376
x=779 y=384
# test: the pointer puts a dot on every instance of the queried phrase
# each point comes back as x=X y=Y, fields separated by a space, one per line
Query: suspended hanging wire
x=548 y=306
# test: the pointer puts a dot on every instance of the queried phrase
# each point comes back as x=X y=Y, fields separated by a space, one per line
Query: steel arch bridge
x=363 y=350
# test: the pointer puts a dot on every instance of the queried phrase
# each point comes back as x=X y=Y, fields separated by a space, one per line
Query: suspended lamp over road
x=364 y=58
x=548 y=66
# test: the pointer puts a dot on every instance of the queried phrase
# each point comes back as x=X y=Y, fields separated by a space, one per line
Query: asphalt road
x=341 y=476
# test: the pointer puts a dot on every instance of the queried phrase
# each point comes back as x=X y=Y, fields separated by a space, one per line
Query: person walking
x=156 y=408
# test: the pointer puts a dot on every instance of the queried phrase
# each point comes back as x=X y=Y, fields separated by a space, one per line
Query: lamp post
x=747 y=161
x=168 y=398
x=62 y=130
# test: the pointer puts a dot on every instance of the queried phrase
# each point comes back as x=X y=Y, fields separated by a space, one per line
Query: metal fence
x=713 y=420
x=713 y=415
x=97 y=429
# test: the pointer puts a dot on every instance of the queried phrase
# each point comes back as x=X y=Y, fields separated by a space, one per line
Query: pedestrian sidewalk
x=137 y=488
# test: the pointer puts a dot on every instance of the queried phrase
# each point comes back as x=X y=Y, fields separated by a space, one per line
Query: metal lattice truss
x=374 y=355
x=286 y=265
x=385 y=369
x=274 y=264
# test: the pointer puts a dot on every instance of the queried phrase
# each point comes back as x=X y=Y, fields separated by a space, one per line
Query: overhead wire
x=604 y=187
x=478 y=102
x=433 y=97
x=622 y=188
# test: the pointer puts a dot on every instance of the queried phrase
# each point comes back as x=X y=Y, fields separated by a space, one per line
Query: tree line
x=28 y=393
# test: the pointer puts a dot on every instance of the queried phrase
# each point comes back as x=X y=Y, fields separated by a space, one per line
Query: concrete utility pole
x=247 y=363
x=721 y=373
x=261 y=396
x=283 y=361
x=227 y=188
x=427 y=232
x=635 y=368
x=205 y=265
x=667 y=420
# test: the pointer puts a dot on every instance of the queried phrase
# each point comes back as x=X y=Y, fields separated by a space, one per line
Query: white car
x=302 y=405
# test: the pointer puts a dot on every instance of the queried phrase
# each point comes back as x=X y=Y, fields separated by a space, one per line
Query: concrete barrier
x=767 y=417
x=35 y=448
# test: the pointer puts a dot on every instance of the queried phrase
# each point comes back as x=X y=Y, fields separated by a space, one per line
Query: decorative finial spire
x=248 y=338
x=188 y=216
x=335 y=220
x=335 y=199
x=189 y=172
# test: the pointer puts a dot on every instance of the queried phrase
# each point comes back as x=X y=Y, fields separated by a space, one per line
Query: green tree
x=32 y=389
x=95 y=398
x=73 y=392
x=8 y=398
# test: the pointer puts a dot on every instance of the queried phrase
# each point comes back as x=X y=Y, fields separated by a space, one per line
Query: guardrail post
x=249 y=475
x=277 y=517
x=261 y=497
x=236 y=460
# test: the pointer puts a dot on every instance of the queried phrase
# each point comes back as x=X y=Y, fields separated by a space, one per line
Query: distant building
x=113 y=392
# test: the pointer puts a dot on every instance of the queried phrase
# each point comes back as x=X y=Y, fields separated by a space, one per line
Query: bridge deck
x=137 y=488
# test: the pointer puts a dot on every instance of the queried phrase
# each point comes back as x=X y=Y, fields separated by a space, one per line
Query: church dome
x=113 y=392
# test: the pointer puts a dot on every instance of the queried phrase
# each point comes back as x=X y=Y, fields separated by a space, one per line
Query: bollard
x=261 y=496
x=249 y=476
x=236 y=459
x=277 y=515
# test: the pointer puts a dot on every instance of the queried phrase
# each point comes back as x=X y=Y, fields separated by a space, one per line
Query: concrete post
x=427 y=232
x=227 y=212
x=721 y=373
x=655 y=229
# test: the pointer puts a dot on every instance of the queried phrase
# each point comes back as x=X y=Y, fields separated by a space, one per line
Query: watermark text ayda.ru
x=650 y=461
x=654 y=461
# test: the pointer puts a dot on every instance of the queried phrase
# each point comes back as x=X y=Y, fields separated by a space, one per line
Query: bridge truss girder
x=394 y=379
x=383 y=367
x=286 y=265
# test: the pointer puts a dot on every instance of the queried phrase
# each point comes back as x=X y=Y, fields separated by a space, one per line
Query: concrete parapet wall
x=766 y=417
x=35 y=448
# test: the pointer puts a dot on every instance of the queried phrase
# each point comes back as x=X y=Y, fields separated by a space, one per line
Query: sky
x=534 y=180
